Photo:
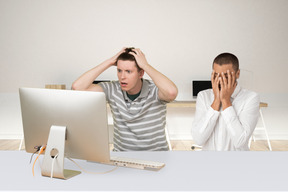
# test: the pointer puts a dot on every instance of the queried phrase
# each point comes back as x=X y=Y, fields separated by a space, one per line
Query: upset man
x=227 y=114
x=138 y=105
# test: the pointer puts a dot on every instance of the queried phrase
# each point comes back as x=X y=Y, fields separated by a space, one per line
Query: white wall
x=55 y=41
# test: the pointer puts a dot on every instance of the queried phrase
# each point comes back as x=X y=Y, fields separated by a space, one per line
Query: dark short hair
x=125 y=56
x=227 y=58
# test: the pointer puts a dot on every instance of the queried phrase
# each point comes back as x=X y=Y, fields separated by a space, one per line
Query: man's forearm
x=204 y=124
x=85 y=80
x=241 y=125
x=167 y=89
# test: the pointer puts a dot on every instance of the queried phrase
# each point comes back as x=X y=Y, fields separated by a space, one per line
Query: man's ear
x=238 y=74
x=141 y=72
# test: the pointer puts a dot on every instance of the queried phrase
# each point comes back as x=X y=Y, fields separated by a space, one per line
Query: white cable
x=89 y=172
x=53 y=161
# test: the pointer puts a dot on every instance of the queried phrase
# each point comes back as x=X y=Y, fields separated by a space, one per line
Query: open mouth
x=123 y=84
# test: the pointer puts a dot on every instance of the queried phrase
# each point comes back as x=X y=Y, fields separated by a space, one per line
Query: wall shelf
x=193 y=104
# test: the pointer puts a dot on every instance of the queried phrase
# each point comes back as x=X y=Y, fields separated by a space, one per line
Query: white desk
x=184 y=170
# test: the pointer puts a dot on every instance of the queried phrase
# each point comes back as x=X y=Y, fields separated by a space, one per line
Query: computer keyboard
x=136 y=163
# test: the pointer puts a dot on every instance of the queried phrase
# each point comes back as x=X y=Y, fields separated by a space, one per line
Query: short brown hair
x=125 y=56
x=227 y=58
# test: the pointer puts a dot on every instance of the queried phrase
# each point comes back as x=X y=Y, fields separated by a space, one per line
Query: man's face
x=224 y=68
x=129 y=76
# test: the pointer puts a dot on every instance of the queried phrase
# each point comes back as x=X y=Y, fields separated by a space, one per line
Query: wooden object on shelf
x=55 y=86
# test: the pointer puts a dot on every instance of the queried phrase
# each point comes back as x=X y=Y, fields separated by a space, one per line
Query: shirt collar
x=236 y=91
x=144 y=91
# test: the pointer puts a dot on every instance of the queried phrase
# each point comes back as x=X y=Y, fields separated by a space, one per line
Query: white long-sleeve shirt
x=227 y=130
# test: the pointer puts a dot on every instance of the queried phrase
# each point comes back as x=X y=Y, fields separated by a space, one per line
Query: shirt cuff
x=229 y=115
x=213 y=113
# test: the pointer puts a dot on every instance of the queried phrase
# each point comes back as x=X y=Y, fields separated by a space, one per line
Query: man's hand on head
x=140 y=58
x=113 y=59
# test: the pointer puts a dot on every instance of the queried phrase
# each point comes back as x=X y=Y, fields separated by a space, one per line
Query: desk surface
x=184 y=170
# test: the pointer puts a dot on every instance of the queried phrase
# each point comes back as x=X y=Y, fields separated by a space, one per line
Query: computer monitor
x=200 y=85
x=71 y=123
x=100 y=81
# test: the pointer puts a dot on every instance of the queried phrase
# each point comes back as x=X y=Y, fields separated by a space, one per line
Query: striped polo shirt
x=139 y=125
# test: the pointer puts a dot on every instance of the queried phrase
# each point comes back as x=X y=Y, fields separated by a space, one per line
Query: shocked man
x=227 y=114
x=138 y=105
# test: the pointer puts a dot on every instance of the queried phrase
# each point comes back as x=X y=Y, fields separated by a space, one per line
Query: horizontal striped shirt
x=139 y=125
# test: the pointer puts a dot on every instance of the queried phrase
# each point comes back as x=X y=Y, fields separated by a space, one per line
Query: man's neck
x=133 y=97
x=137 y=88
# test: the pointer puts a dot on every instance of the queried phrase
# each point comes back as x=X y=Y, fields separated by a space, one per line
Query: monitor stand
x=56 y=146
